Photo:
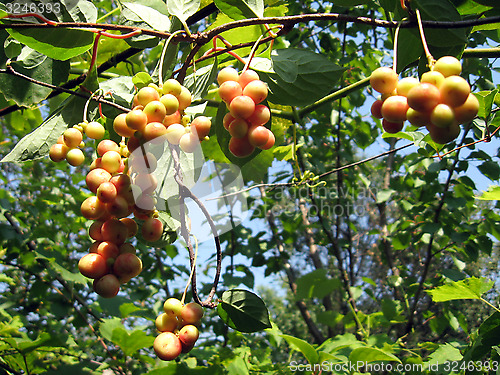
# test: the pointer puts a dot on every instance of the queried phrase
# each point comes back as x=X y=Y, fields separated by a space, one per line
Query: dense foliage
x=341 y=249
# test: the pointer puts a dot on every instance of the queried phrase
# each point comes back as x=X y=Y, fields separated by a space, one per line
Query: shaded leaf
x=241 y=9
x=243 y=311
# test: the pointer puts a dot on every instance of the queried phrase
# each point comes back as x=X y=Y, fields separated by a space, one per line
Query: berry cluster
x=158 y=114
x=112 y=261
x=178 y=327
x=441 y=100
x=245 y=121
x=70 y=143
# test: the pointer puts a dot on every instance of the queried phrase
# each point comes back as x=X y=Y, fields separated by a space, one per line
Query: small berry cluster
x=441 y=100
x=158 y=113
x=178 y=327
x=245 y=121
x=70 y=143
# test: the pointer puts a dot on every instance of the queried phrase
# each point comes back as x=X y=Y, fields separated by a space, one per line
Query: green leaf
x=490 y=169
x=199 y=82
x=183 y=9
x=304 y=347
x=486 y=337
x=486 y=100
x=142 y=79
x=315 y=78
x=492 y=194
x=384 y=195
x=131 y=342
x=368 y=354
x=243 y=311
x=58 y=44
x=316 y=284
x=38 y=67
x=441 y=11
x=241 y=9
x=470 y=288
x=152 y=12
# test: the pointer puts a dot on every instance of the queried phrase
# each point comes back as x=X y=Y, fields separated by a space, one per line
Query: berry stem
x=430 y=58
x=85 y=109
x=395 y=53
x=193 y=267
x=162 y=57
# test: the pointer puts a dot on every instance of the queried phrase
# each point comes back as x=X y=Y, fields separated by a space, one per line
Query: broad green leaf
x=486 y=100
x=38 y=67
x=58 y=44
x=153 y=12
x=243 y=311
x=486 y=337
x=316 y=284
x=241 y=9
x=470 y=288
x=316 y=76
x=199 y=81
x=444 y=353
x=304 y=347
x=471 y=7
x=492 y=194
x=441 y=11
x=107 y=326
x=489 y=3
x=142 y=79
x=384 y=195
x=183 y=9
x=369 y=354
x=490 y=169
x=131 y=342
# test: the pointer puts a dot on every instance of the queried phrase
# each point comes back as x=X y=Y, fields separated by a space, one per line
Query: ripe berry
x=376 y=109
x=154 y=130
x=454 y=91
x=442 y=116
x=191 y=313
x=120 y=126
x=257 y=90
x=270 y=141
x=131 y=228
x=405 y=84
x=242 y=107
x=107 y=145
x=93 y=266
x=184 y=98
x=392 y=127
x=229 y=90
x=166 y=323
x=106 y=192
x=258 y=135
x=167 y=346
x=174 y=133
x=95 y=130
x=146 y=95
x=384 y=80
x=188 y=335
x=111 y=161
x=247 y=76
x=423 y=97
x=238 y=128
x=136 y=119
x=107 y=286
x=394 y=108
x=172 y=86
x=92 y=208
x=96 y=177
x=75 y=157
x=201 y=126
x=433 y=77
x=127 y=266
x=240 y=147
x=448 y=66
x=171 y=103
x=155 y=111
x=152 y=229
x=58 y=152
x=417 y=118
x=467 y=111
x=72 y=137
x=260 y=115
x=227 y=74
x=115 y=231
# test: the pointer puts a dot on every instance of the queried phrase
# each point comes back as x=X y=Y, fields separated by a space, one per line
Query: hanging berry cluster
x=245 y=121
x=441 y=100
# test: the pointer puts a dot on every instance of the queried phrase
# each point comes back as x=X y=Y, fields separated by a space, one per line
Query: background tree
x=363 y=245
